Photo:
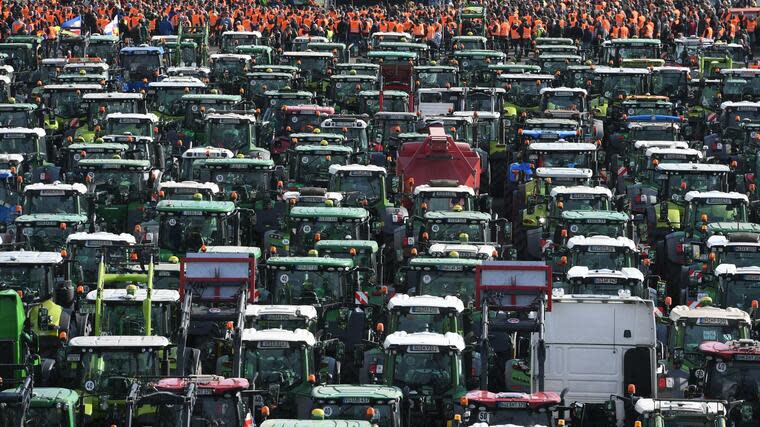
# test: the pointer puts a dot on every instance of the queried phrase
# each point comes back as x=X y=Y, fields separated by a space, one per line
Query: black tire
x=520 y=239
x=498 y=177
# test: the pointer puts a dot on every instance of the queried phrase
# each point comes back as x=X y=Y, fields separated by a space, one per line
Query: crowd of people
x=509 y=24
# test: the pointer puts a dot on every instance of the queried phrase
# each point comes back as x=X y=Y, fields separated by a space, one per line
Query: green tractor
x=100 y=105
x=737 y=286
x=228 y=72
x=688 y=327
x=20 y=342
x=378 y=404
x=613 y=52
x=19 y=115
x=235 y=132
x=99 y=149
x=120 y=189
x=615 y=85
x=102 y=369
x=50 y=213
x=439 y=276
x=368 y=259
x=311 y=163
x=473 y=64
x=187 y=225
x=595 y=252
x=262 y=81
x=429 y=367
x=85 y=250
x=281 y=364
x=304 y=226
x=432 y=76
x=165 y=96
x=675 y=181
x=27 y=405
x=194 y=108
x=344 y=89
x=638 y=180
x=656 y=412
x=65 y=109
x=281 y=316
x=260 y=54
x=104 y=46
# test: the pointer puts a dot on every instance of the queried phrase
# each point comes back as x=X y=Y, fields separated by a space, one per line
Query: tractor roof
x=132 y=164
x=117 y=342
x=50 y=397
x=662 y=144
x=424 y=339
x=626 y=273
x=52 y=219
x=120 y=295
x=730 y=313
x=692 y=167
x=207 y=153
x=425 y=188
x=101 y=238
x=178 y=82
x=323 y=149
x=251 y=251
x=621 y=70
x=580 y=189
x=368 y=391
x=428 y=301
x=25 y=131
x=233 y=56
x=481 y=115
x=454 y=215
x=671 y=69
x=563 y=90
x=242 y=33
x=593 y=216
x=514 y=400
x=299 y=335
x=230 y=116
x=526 y=76
x=307 y=261
x=189 y=185
x=561 y=146
x=464 y=250
x=553 y=172
x=74 y=86
x=217 y=384
x=719 y=195
x=11 y=158
x=672 y=151
x=353 y=169
x=682 y=407
x=107 y=96
x=732 y=270
x=744 y=350
x=257 y=310
x=330 y=212
x=97 y=147
x=179 y=206
x=57 y=186
x=133 y=116
x=618 y=242
x=346 y=245
x=221 y=163
x=29 y=257
x=444 y=263
x=217 y=97
x=740 y=104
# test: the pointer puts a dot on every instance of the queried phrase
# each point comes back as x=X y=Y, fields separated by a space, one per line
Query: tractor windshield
x=740 y=378
x=357 y=188
x=87 y=258
x=444 y=201
x=127 y=318
x=384 y=414
x=436 y=78
x=301 y=287
x=622 y=84
x=52 y=416
x=525 y=93
x=603 y=257
x=43 y=236
x=563 y=159
x=66 y=103
x=522 y=417
x=695 y=333
x=670 y=420
x=140 y=66
x=718 y=211
x=679 y=184
x=583 y=202
x=274 y=362
x=18 y=118
x=741 y=256
x=112 y=370
x=33 y=281
x=187 y=233
x=481 y=101
x=59 y=203
x=740 y=292
x=251 y=181
x=443 y=283
x=117 y=182
x=597 y=229
x=420 y=371
x=454 y=231
x=648 y=109
x=162 y=415
x=168 y=100
x=487 y=131
x=638 y=52
x=232 y=134
x=669 y=84
x=707 y=96
x=98 y=110
x=423 y=319
x=338 y=230
x=24 y=144
x=563 y=101
x=135 y=127
x=216 y=411
x=314 y=168
x=654 y=133
x=398 y=104
x=606 y=286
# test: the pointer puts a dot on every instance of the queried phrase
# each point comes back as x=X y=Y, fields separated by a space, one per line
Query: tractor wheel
x=498 y=178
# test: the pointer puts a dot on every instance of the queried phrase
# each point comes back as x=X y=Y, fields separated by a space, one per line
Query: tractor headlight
x=542 y=220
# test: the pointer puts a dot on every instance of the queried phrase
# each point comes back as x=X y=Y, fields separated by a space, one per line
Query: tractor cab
x=311 y=224
x=259 y=82
x=671 y=82
x=195 y=107
x=244 y=179
x=319 y=281
x=468 y=43
x=315 y=67
x=310 y=164
x=193 y=155
x=473 y=64
x=141 y=65
x=442 y=195
x=435 y=76
x=281 y=363
x=230 y=40
x=49 y=68
x=378 y=404
x=188 y=225
x=523 y=91
x=138 y=125
x=50 y=213
x=366 y=257
x=387 y=127
x=557 y=63
x=20 y=115
x=105 y=47
x=597 y=252
x=438 y=276
x=100 y=105
x=120 y=189
x=425 y=313
x=31 y=143
x=344 y=89
x=738 y=286
x=509 y=408
x=731 y=371
x=187 y=190
x=166 y=95
x=85 y=250
x=583 y=280
x=260 y=54
x=355 y=129
x=373 y=101
x=134 y=311
x=593 y=223
x=49 y=406
x=361 y=185
x=555 y=101
x=429 y=367
x=301 y=43
x=455 y=226
x=688 y=49
x=104 y=368
x=235 y=132
x=64 y=103
x=563 y=154
x=312 y=196
x=613 y=52
x=288 y=317
x=228 y=68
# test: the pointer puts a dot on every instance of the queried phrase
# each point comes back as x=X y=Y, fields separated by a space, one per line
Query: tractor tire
x=498 y=177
